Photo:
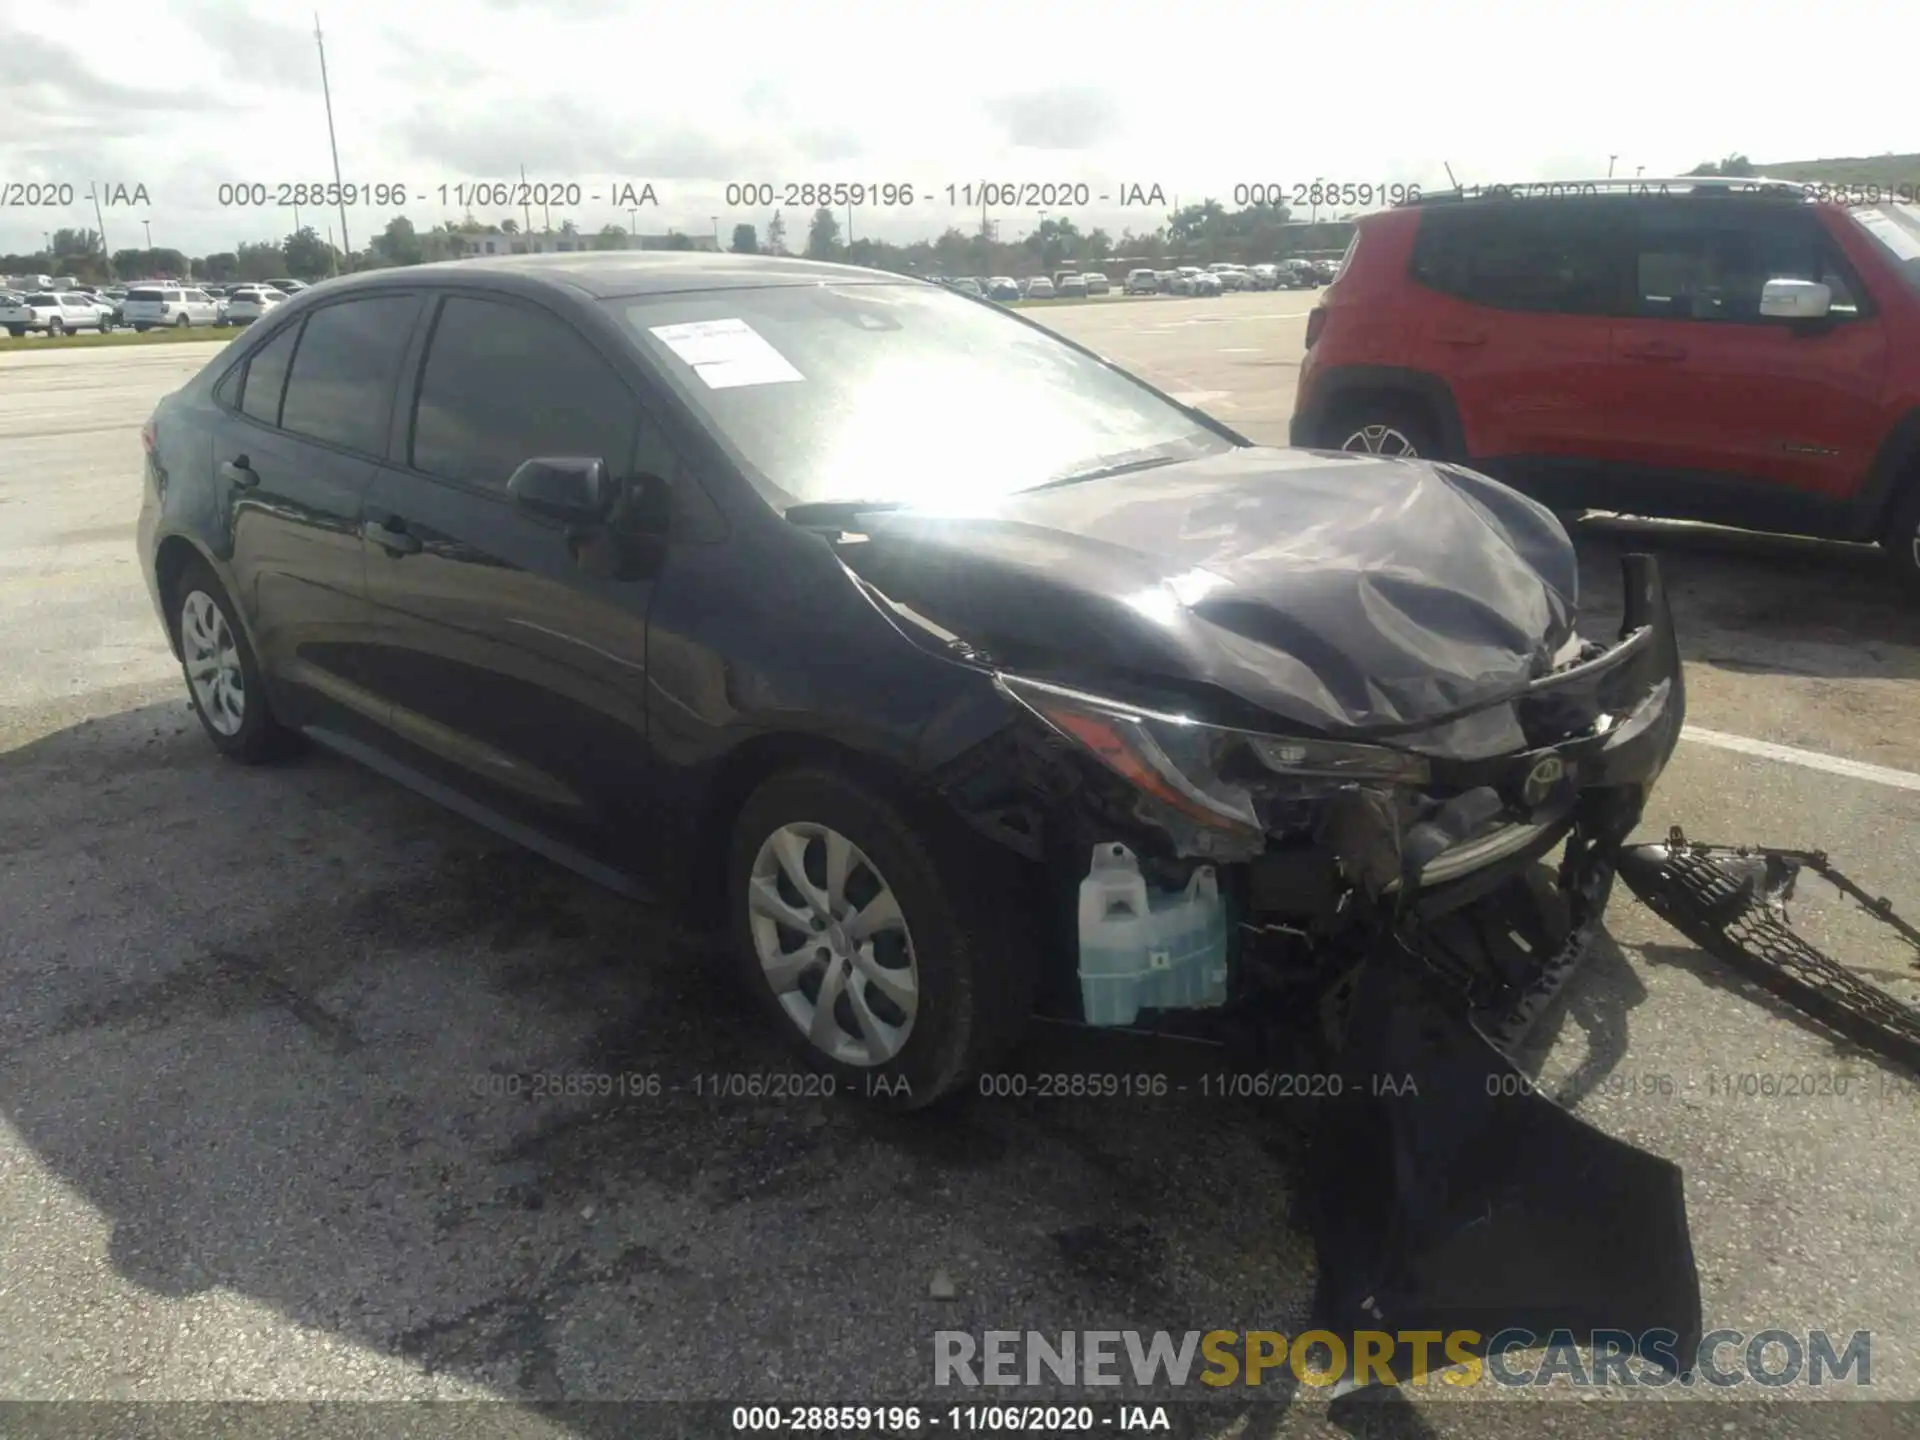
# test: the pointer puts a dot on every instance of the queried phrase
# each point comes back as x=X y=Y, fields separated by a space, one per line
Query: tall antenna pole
x=326 y=91
x=99 y=219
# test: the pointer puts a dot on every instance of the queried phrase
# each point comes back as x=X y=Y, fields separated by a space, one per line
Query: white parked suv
x=182 y=305
x=247 y=303
x=57 y=313
x=1143 y=282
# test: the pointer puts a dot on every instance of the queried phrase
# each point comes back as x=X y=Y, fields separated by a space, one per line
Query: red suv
x=1746 y=353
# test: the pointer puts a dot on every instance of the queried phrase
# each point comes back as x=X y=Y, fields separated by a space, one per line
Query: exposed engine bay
x=1401 y=903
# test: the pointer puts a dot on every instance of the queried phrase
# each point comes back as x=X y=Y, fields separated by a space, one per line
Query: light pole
x=326 y=91
x=716 y=232
x=633 y=226
x=1610 y=160
x=106 y=255
x=1638 y=171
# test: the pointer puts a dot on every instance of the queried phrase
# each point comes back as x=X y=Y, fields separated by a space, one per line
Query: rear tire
x=1383 y=425
x=56 y=326
x=182 y=323
x=223 y=676
x=948 y=982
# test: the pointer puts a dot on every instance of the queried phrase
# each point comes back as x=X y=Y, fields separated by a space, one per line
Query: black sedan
x=859 y=616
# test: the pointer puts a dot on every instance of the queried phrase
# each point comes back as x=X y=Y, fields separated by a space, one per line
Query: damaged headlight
x=1210 y=774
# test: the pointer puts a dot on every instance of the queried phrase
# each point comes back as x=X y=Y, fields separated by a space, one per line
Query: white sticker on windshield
x=727 y=353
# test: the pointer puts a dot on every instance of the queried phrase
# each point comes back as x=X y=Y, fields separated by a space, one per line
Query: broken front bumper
x=1445 y=1191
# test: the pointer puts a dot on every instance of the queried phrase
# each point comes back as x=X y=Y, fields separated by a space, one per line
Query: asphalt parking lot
x=257 y=1025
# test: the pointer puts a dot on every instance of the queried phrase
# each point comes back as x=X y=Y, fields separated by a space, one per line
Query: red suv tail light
x=1316 y=322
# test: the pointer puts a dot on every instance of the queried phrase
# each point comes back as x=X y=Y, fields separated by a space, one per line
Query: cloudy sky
x=1198 y=96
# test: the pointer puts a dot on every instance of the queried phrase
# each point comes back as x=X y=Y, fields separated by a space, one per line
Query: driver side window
x=1705 y=266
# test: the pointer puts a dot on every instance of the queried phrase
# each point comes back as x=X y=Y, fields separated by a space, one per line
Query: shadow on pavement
x=295 y=1033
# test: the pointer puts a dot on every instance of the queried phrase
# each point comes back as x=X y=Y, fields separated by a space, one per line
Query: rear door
x=1519 y=325
x=306 y=419
x=1709 y=391
x=513 y=648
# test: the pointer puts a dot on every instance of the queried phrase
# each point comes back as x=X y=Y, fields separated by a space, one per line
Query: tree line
x=1193 y=235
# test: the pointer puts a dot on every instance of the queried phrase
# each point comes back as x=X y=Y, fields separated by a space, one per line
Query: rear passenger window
x=1533 y=255
x=505 y=383
x=343 y=371
x=266 y=378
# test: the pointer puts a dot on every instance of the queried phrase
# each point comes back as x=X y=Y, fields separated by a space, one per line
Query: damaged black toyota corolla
x=964 y=674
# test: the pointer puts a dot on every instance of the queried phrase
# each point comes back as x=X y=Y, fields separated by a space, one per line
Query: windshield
x=904 y=394
x=1897 y=229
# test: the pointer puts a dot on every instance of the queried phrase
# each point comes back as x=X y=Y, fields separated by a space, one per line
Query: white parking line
x=1811 y=759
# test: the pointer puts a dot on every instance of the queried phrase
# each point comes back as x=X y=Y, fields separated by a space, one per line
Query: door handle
x=240 y=472
x=1462 y=337
x=1654 y=350
x=389 y=536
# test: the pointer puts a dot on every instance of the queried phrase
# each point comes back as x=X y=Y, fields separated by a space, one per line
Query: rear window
x=1546 y=256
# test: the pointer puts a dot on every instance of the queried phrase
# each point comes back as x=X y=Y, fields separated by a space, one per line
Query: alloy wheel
x=832 y=944
x=213 y=663
x=1381 y=440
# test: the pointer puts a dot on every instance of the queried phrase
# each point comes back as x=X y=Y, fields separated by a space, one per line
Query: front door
x=1707 y=389
x=512 y=647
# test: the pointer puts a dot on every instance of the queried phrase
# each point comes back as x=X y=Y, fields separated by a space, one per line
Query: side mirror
x=1795 y=300
x=571 y=488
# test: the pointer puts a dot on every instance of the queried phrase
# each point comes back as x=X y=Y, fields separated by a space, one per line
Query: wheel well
x=1377 y=397
x=171 y=561
x=743 y=771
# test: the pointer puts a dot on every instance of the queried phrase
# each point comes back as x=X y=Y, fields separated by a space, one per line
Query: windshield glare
x=904 y=394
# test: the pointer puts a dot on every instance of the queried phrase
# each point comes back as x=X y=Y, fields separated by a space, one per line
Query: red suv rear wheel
x=1384 y=425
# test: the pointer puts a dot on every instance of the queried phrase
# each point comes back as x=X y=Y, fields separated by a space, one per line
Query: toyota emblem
x=1542 y=779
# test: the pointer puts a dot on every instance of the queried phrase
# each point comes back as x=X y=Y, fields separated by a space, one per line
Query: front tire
x=868 y=932
x=222 y=673
x=1902 y=538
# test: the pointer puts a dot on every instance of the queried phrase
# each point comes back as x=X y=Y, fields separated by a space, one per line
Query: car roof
x=607 y=275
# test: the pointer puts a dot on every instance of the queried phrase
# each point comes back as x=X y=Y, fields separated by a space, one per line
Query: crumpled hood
x=1340 y=591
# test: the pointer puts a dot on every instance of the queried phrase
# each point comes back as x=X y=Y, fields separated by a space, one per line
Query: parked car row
x=1224 y=275
x=144 y=305
x=1220 y=277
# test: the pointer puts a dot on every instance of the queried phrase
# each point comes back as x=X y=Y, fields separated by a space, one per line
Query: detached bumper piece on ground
x=1732 y=903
